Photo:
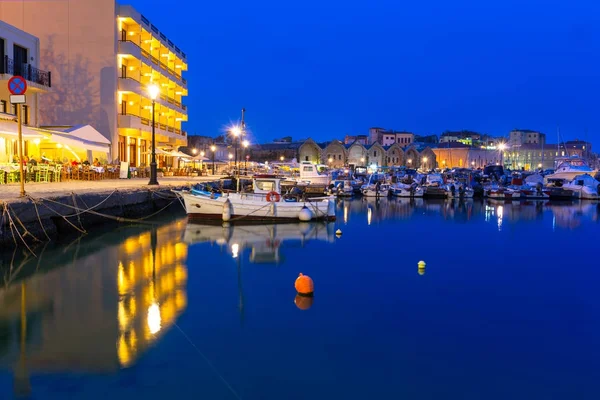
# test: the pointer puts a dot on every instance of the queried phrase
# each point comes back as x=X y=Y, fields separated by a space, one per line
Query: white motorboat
x=406 y=190
x=568 y=168
x=531 y=188
x=376 y=190
x=310 y=174
x=584 y=187
x=434 y=187
x=265 y=203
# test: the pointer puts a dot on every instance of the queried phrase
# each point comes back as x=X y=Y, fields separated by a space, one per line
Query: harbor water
x=504 y=306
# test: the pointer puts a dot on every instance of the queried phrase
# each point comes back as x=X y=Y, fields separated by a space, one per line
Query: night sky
x=327 y=68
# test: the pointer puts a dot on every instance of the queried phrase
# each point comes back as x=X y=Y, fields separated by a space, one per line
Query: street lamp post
x=153 y=91
x=202 y=160
x=245 y=143
x=213 y=148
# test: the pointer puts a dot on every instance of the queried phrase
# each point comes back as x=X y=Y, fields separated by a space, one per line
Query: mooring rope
x=237 y=396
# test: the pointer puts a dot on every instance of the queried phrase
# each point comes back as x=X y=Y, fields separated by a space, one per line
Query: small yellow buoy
x=304 y=285
x=421 y=267
x=303 y=302
x=338 y=233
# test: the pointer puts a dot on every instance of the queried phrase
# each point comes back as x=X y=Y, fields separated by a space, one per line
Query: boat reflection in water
x=94 y=306
x=265 y=241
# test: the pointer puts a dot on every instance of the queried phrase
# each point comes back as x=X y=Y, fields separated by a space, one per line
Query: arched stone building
x=428 y=159
x=412 y=158
x=375 y=154
x=395 y=155
x=357 y=154
x=336 y=152
x=309 y=151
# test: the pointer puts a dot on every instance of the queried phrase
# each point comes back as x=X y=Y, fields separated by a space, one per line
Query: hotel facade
x=103 y=56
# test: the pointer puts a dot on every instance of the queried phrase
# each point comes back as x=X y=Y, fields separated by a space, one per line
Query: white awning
x=10 y=129
x=87 y=133
x=72 y=141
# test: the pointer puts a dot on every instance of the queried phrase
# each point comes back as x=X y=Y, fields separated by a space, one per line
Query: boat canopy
x=585 y=180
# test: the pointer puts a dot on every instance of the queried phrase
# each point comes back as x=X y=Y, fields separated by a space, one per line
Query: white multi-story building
x=19 y=55
x=103 y=57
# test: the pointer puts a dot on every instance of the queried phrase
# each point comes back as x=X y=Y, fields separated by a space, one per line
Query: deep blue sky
x=326 y=68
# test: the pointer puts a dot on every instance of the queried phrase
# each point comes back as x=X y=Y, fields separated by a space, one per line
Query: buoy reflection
x=304 y=302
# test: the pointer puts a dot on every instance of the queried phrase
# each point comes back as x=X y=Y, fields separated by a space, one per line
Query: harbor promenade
x=10 y=192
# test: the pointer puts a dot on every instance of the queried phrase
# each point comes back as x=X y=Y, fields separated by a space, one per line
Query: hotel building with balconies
x=103 y=56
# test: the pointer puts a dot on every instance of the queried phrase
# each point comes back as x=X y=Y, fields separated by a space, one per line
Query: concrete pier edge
x=39 y=219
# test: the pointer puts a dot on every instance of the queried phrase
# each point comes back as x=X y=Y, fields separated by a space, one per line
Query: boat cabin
x=309 y=170
x=264 y=184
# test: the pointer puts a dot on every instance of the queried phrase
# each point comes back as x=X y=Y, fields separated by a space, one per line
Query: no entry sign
x=17 y=85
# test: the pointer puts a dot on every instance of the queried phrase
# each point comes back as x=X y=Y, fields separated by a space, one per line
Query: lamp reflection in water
x=369 y=215
x=345 y=214
x=151 y=289
x=500 y=214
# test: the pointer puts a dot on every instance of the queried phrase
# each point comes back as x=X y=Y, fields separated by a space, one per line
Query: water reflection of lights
x=500 y=214
x=489 y=211
x=369 y=215
x=154 y=318
x=345 y=214
x=235 y=248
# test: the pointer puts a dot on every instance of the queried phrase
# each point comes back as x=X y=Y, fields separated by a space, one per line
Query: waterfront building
x=388 y=137
x=459 y=155
x=334 y=154
x=310 y=151
x=518 y=137
x=532 y=156
x=103 y=56
x=20 y=55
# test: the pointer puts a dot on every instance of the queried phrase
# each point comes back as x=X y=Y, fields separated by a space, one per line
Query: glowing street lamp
x=281 y=158
x=425 y=162
x=213 y=148
x=362 y=159
x=153 y=91
x=194 y=151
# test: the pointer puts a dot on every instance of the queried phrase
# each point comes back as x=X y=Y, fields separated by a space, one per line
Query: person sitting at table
x=96 y=162
x=86 y=162
x=74 y=163
x=31 y=161
x=45 y=160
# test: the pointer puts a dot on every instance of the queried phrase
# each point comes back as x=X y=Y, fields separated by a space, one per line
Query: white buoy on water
x=338 y=233
x=305 y=214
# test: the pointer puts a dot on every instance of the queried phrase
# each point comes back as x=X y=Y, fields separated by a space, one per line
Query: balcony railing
x=32 y=74
x=148 y=122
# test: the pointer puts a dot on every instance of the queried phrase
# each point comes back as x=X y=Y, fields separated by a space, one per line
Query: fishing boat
x=264 y=203
x=310 y=174
x=434 y=187
x=584 y=187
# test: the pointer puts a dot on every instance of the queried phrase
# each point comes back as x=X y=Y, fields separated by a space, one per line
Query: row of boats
x=275 y=198
x=568 y=182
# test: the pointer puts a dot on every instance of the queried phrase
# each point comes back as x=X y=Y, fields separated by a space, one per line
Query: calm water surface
x=506 y=308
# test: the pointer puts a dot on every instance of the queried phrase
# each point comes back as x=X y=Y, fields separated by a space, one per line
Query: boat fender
x=227 y=211
x=331 y=210
x=273 y=210
x=305 y=214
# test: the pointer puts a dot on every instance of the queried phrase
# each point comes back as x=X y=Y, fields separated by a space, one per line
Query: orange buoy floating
x=304 y=285
x=303 y=302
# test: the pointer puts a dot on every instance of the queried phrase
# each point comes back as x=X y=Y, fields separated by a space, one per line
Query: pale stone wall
x=78 y=45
